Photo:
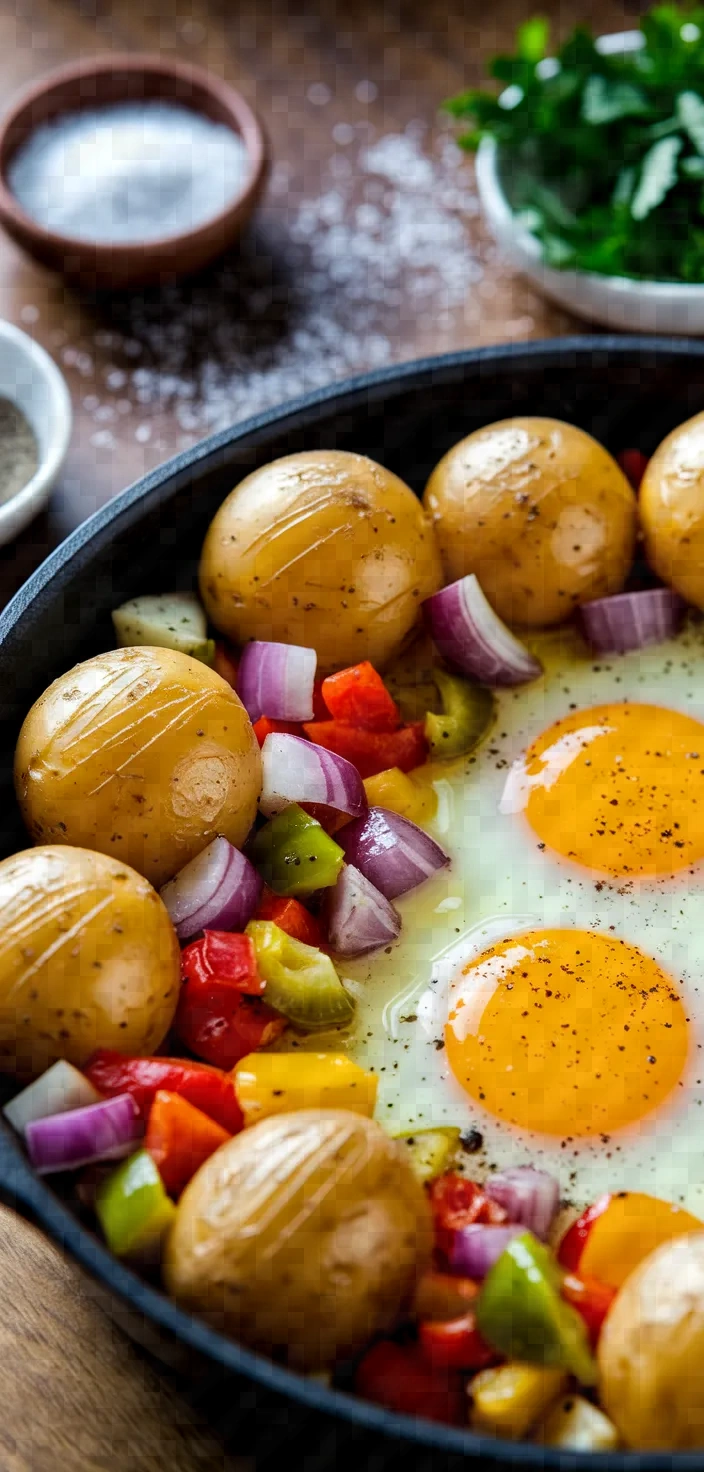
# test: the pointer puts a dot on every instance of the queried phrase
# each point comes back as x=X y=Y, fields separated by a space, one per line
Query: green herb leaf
x=532 y=39
x=625 y=185
x=693 y=167
x=658 y=174
x=690 y=110
x=605 y=101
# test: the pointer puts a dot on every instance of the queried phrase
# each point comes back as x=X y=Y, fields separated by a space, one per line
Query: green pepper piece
x=295 y=855
x=301 y=982
x=133 y=1208
x=467 y=712
x=521 y=1314
x=430 y=1151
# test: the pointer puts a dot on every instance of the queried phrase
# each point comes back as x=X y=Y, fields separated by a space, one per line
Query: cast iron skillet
x=627 y=392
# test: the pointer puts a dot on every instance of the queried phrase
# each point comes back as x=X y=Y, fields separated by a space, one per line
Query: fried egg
x=547 y=991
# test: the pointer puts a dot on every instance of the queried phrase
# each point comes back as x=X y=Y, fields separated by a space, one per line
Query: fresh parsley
x=603 y=155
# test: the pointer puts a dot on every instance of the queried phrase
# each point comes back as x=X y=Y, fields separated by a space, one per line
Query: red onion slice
x=475 y=1249
x=631 y=620
x=295 y=770
x=359 y=917
x=390 y=851
x=56 y=1091
x=530 y=1196
x=218 y=890
x=276 y=680
x=467 y=632
x=104 y=1131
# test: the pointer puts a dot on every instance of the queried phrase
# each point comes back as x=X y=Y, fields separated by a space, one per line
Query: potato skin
x=88 y=959
x=302 y=1237
x=540 y=512
x=671 y=505
x=144 y=754
x=325 y=549
x=651 y=1350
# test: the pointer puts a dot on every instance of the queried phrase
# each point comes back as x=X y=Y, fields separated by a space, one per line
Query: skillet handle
x=19 y=1187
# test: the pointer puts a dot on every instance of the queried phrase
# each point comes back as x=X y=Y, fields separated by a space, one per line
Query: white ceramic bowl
x=31 y=379
x=615 y=301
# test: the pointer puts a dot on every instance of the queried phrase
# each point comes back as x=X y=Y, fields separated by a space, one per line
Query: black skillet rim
x=28 y=1191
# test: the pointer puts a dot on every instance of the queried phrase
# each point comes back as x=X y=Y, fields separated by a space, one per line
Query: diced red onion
x=476 y=1248
x=467 y=632
x=104 y=1131
x=360 y=918
x=529 y=1196
x=294 y=770
x=276 y=680
x=58 y=1090
x=631 y=620
x=218 y=890
x=390 y=851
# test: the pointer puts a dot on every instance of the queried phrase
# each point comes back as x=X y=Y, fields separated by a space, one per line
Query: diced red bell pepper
x=320 y=710
x=633 y=464
x=398 y=1377
x=222 y=956
x=592 y=1300
x=455 y=1203
x=574 y=1241
x=293 y=917
x=372 y=751
x=225 y=663
x=266 y=727
x=208 y=1089
x=180 y=1138
x=455 y=1344
x=359 y=697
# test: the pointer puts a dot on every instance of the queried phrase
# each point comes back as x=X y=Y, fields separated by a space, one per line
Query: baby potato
x=325 y=549
x=88 y=959
x=302 y=1237
x=651 y=1350
x=672 y=510
x=144 y=754
x=541 y=514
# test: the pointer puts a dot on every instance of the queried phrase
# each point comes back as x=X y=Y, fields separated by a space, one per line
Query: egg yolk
x=567 y=1032
x=618 y=788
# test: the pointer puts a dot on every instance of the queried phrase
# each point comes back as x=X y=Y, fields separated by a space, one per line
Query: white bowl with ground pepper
x=35 y=428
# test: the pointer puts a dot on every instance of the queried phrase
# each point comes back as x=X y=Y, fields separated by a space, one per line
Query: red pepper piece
x=265 y=727
x=633 y=464
x=398 y=1377
x=225 y=663
x=359 y=697
x=320 y=710
x=591 y=1298
x=455 y=1203
x=574 y=1241
x=208 y=1089
x=293 y=917
x=455 y=1344
x=180 y=1138
x=222 y=956
x=372 y=751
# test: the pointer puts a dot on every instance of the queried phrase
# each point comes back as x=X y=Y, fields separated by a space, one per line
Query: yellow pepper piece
x=394 y=790
x=630 y=1228
x=431 y=1152
x=277 y=1083
x=574 y=1423
x=509 y=1400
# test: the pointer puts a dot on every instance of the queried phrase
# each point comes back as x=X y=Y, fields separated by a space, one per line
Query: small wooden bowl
x=131 y=78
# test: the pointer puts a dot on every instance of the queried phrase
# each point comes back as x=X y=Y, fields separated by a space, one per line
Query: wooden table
x=368 y=249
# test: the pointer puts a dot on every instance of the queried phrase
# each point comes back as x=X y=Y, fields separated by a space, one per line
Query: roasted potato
x=672 y=510
x=88 y=959
x=651 y=1350
x=144 y=754
x=541 y=514
x=325 y=549
x=303 y=1237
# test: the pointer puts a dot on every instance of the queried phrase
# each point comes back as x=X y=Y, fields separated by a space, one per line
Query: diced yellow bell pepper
x=277 y=1083
x=509 y=1400
x=431 y=1151
x=394 y=790
x=574 y=1423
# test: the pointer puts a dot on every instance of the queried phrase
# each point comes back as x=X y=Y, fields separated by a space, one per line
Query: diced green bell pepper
x=133 y=1208
x=301 y=982
x=467 y=713
x=521 y=1314
x=295 y=855
x=430 y=1152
